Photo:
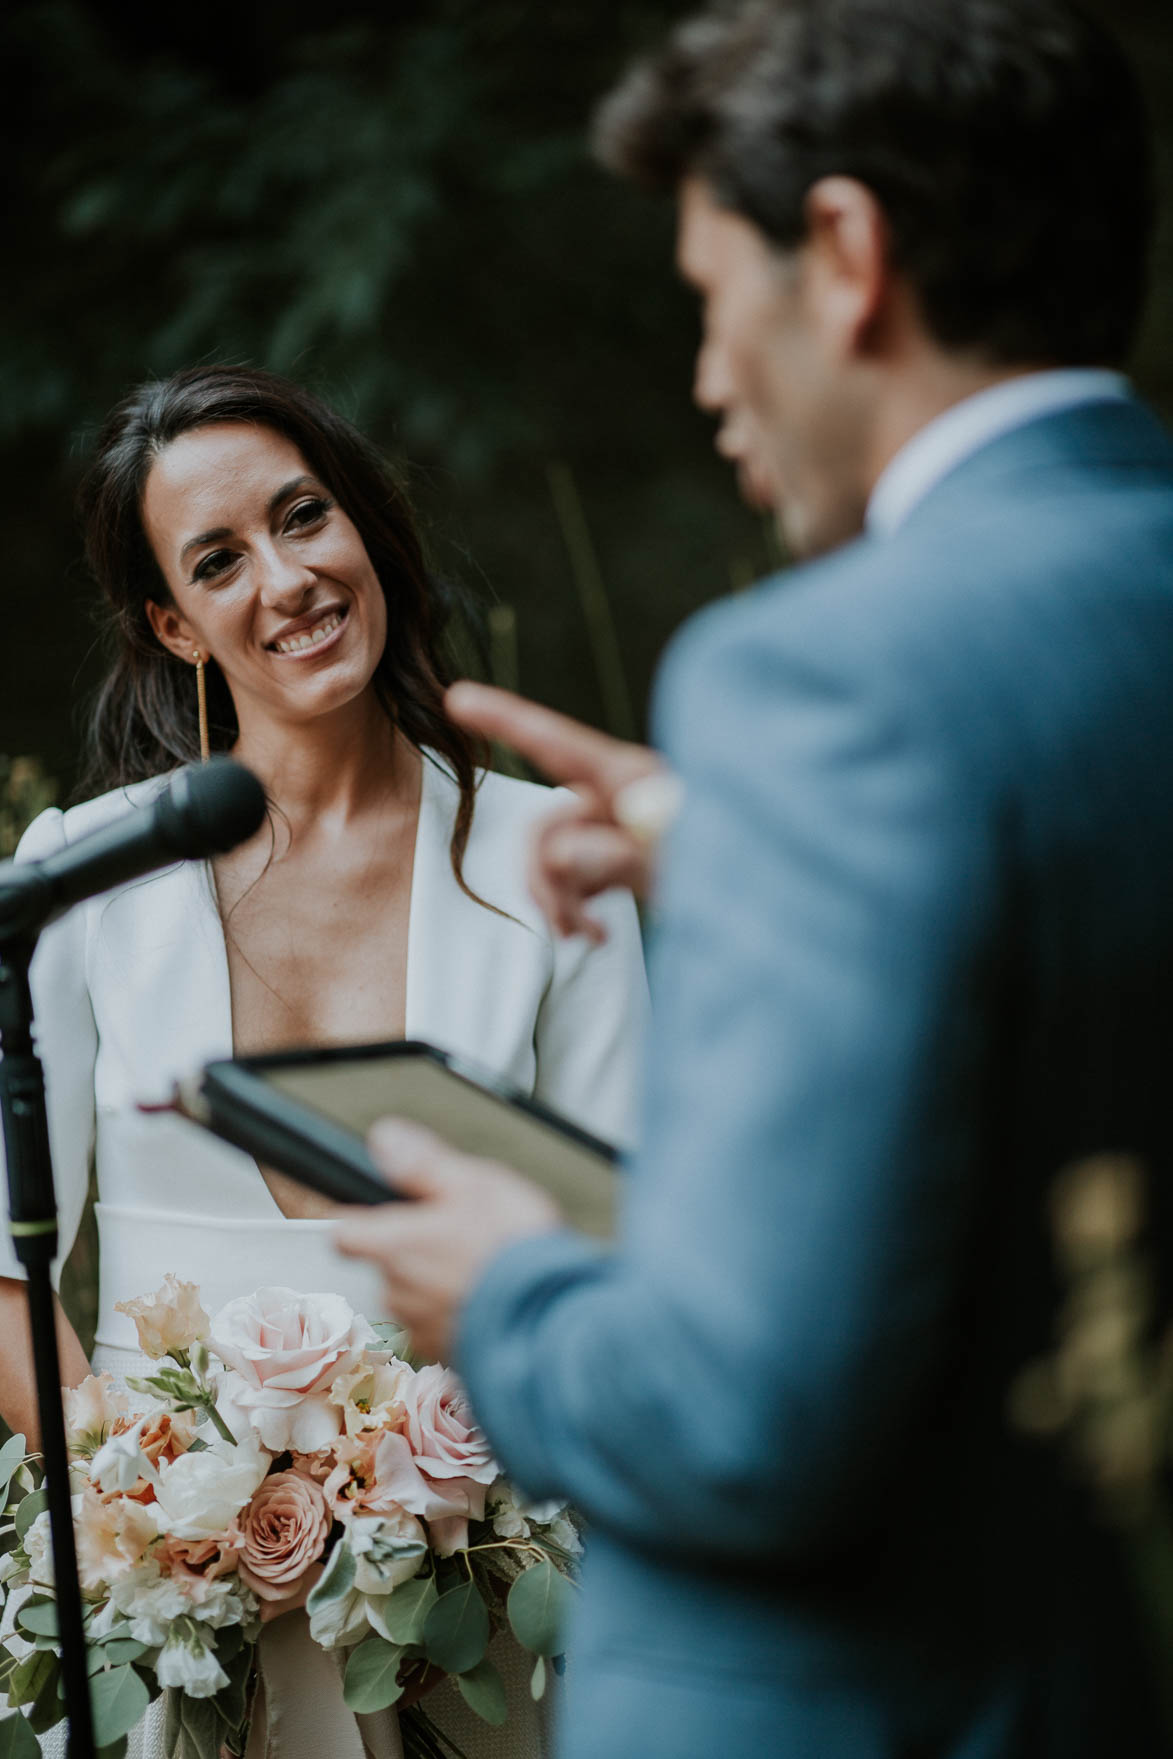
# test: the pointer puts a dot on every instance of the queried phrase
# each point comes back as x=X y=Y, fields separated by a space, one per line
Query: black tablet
x=307 y=1113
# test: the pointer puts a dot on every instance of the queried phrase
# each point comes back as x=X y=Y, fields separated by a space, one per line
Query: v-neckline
x=207 y=878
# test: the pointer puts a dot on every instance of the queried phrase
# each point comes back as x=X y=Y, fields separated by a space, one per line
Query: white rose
x=201 y=1493
x=284 y=1352
x=186 y=1661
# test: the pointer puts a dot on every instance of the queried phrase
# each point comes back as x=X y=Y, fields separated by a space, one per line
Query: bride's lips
x=302 y=641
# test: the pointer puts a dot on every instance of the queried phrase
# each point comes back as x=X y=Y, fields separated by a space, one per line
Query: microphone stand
x=33 y=1225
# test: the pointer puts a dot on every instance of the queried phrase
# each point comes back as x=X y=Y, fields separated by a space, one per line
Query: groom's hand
x=607 y=837
x=433 y=1250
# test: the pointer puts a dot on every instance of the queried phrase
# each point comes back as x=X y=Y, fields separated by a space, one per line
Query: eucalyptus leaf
x=28 y=1677
x=538 y=1605
x=48 y=1707
x=537 y=1683
x=17 y=1740
x=38 y=1617
x=405 y=1610
x=119 y=1700
x=483 y=1690
x=372 y=1676
x=456 y=1629
x=11 y=1456
x=116 y=1650
x=116 y=1750
x=192 y=1729
x=231 y=1701
x=336 y=1580
x=29 y=1509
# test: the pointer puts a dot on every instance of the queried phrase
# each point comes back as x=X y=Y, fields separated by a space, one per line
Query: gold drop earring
x=202 y=698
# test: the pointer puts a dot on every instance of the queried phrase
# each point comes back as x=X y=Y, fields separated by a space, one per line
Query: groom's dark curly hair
x=1006 y=141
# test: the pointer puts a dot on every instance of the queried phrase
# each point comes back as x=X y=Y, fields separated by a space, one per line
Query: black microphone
x=204 y=810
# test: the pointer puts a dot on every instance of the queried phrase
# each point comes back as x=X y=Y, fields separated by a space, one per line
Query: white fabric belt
x=225 y=1257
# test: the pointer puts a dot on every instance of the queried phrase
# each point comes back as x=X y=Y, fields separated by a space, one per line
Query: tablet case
x=307 y=1113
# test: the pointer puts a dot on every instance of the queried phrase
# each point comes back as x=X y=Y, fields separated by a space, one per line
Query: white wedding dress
x=131 y=991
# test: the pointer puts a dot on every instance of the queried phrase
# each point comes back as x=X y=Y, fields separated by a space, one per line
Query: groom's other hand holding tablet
x=464 y=1212
x=914 y=923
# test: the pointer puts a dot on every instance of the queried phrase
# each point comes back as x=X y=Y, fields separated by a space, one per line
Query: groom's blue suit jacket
x=914 y=955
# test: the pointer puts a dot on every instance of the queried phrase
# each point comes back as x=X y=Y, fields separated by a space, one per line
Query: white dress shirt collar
x=973 y=423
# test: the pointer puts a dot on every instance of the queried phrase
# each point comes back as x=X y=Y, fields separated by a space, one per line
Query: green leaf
x=17 y=1740
x=29 y=1509
x=29 y=1676
x=231 y=1701
x=48 y=1706
x=192 y=1729
x=537 y=1683
x=336 y=1579
x=39 y=1617
x=483 y=1690
x=116 y=1750
x=456 y=1629
x=11 y=1456
x=406 y=1608
x=119 y=1700
x=538 y=1606
x=116 y=1650
x=372 y=1676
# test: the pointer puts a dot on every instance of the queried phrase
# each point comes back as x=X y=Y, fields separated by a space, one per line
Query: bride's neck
x=334 y=767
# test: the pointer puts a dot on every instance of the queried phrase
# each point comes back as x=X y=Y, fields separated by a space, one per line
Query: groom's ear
x=172 y=630
x=848 y=268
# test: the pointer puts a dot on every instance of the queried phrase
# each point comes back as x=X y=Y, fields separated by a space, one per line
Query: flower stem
x=219 y=1424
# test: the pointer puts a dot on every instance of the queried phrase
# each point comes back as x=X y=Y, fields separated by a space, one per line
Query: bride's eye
x=308 y=512
x=213 y=565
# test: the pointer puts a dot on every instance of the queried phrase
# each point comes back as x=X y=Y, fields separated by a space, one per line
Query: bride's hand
x=607 y=836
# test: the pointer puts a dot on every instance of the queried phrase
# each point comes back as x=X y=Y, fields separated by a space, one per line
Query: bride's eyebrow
x=220 y=532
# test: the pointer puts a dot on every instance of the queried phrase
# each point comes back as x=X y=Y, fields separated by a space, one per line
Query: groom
x=914 y=923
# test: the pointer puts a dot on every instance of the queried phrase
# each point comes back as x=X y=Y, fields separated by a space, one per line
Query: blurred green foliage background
x=394 y=203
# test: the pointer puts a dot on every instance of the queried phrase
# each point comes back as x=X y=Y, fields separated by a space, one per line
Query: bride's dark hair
x=143 y=718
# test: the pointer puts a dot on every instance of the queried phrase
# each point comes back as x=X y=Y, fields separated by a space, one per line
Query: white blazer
x=131 y=991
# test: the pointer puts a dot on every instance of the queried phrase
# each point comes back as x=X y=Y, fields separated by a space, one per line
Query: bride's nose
x=283 y=580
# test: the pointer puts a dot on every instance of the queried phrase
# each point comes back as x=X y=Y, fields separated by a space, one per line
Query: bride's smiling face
x=267 y=575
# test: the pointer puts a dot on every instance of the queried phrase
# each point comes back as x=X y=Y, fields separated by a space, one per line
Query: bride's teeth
x=309 y=638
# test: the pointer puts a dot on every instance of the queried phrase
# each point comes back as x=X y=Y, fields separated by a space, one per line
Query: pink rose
x=284 y=1531
x=285 y=1351
x=447 y=1504
x=445 y=1440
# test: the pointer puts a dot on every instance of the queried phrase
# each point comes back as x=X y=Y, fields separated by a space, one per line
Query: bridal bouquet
x=283 y=1456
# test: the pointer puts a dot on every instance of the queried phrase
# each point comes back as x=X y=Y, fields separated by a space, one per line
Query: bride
x=264 y=576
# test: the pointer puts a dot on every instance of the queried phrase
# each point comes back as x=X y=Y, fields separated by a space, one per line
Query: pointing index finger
x=564 y=749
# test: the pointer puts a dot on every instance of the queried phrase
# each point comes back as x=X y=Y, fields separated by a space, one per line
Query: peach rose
x=284 y=1529
x=169 y=1321
x=285 y=1351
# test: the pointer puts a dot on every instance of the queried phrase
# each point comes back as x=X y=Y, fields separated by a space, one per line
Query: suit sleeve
x=67 y=1041
x=592 y=1025
x=733 y=1377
